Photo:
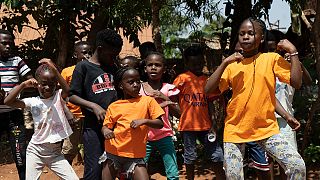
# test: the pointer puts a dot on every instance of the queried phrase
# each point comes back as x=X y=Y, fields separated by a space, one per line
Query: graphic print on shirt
x=103 y=83
x=196 y=99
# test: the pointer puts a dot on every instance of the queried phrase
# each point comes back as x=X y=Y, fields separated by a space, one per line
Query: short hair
x=150 y=53
x=3 y=31
x=146 y=47
x=278 y=35
x=193 y=50
x=81 y=43
x=109 y=37
x=41 y=69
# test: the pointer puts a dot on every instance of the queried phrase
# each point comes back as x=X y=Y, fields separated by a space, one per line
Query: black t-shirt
x=93 y=83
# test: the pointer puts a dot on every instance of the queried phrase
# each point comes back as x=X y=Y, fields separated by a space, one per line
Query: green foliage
x=312 y=154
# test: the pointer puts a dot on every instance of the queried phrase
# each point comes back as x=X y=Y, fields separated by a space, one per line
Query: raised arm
x=214 y=79
x=296 y=75
x=64 y=85
x=11 y=99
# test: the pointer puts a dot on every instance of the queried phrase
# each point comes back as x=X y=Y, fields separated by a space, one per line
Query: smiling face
x=130 y=84
x=154 y=67
x=47 y=83
x=250 y=36
x=6 y=43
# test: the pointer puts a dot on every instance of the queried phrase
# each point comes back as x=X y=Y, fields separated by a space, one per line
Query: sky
x=280 y=10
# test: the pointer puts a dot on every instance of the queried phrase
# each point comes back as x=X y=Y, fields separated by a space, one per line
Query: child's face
x=107 y=54
x=195 y=64
x=154 y=67
x=6 y=43
x=250 y=36
x=82 y=52
x=130 y=84
x=272 y=46
x=47 y=84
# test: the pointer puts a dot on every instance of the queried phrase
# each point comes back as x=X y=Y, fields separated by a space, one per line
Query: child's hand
x=234 y=57
x=30 y=83
x=48 y=62
x=167 y=103
x=99 y=112
x=107 y=133
x=160 y=95
x=136 y=123
x=293 y=122
x=287 y=46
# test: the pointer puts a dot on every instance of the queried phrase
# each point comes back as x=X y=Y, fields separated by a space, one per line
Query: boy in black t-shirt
x=92 y=89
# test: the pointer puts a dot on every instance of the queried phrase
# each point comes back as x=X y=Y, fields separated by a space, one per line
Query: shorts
x=123 y=165
x=256 y=157
x=213 y=150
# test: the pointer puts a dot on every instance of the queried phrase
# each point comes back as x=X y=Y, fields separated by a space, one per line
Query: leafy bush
x=312 y=154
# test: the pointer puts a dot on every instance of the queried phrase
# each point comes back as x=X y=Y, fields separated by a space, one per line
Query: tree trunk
x=156 y=35
x=315 y=36
x=242 y=11
x=63 y=45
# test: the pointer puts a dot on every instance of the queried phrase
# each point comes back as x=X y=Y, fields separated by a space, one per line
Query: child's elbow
x=160 y=124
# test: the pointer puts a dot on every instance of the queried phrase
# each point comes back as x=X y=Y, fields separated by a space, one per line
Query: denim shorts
x=213 y=150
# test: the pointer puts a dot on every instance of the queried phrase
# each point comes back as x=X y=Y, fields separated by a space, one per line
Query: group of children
x=125 y=119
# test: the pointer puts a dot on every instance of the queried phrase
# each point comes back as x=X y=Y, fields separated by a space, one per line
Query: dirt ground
x=9 y=172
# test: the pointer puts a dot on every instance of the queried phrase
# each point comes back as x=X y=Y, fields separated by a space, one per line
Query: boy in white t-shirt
x=50 y=122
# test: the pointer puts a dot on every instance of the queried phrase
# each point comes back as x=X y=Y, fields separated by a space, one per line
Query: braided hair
x=118 y=78
x=41 y=69
x=263 y=47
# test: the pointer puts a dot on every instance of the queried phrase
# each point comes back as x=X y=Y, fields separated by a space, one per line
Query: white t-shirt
x=50 y=122
x=284 y=93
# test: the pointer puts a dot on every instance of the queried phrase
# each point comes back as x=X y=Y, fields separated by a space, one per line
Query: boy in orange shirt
x=82 y=51
x=125 y=127
x=195 y=122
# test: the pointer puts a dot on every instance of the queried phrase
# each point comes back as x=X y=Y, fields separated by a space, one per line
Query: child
x=125 y=127
x=82 y=51
x=161 y=139
x=250 y=112
x=13 y=71
x=50 y=122
x=129 y=61
x=195 y=122
x=92 y=89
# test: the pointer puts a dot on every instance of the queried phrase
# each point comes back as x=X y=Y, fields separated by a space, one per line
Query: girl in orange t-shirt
x=250 y=111
x=125 y=128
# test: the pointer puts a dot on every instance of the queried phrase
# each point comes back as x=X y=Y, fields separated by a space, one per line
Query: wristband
x=294 y=54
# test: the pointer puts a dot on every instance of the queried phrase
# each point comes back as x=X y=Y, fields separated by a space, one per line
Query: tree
x=68 y=21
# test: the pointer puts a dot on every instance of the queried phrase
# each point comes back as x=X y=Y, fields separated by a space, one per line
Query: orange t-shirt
x=193 y=102
x=129 y=142
x=250 y=111
x=67 y=75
